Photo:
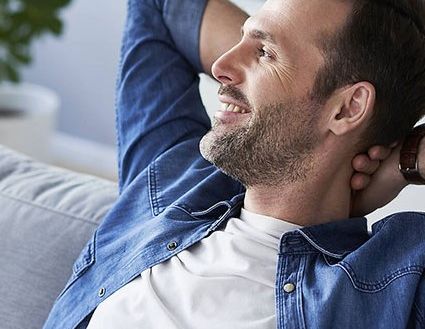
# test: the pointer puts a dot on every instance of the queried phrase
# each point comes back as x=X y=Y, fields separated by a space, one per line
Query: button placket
x=289 y=273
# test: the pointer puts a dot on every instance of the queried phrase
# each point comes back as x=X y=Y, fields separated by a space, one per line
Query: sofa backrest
x=47 y=215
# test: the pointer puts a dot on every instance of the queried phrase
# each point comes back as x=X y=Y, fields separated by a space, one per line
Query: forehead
x=300 y=22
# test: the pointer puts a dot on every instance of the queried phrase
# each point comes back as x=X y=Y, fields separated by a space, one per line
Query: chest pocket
x=393 y=255
x=372 y=282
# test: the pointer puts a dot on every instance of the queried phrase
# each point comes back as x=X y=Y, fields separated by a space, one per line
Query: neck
x=323 y=197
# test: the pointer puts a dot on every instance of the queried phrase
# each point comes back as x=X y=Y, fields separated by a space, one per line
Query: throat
x=302 y=204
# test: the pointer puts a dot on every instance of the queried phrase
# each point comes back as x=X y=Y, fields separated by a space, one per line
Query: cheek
x=267 y=87
x=286 y=74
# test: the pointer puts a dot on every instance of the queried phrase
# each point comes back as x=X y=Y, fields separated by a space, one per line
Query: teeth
x=232 y=108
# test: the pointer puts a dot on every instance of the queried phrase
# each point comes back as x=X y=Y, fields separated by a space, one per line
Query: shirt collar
x=337 y=238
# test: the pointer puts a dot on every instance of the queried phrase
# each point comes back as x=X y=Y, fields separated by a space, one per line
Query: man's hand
x=377 y=180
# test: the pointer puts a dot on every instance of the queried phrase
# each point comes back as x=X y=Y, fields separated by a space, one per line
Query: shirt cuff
x=183 y=19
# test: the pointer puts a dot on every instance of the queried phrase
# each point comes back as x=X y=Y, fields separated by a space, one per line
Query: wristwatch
x=409 y=158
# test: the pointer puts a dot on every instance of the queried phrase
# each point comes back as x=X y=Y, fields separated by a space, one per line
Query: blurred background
x=80 y=66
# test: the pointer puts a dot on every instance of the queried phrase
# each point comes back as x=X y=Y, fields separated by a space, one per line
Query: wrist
x=399 y=178
x=411 y=156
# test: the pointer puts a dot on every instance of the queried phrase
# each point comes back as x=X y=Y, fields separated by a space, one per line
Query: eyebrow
x=260 y=35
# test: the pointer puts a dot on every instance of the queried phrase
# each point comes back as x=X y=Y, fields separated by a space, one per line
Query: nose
x=228 y=69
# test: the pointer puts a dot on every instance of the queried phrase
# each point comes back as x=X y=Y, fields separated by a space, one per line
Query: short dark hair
x=383 y=42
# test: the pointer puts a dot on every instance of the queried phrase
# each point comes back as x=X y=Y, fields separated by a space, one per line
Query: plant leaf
x=11 y=72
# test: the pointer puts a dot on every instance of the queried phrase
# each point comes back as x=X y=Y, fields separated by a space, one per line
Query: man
x=309 y=85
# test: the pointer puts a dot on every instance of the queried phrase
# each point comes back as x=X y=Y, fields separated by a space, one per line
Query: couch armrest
x=47 y=215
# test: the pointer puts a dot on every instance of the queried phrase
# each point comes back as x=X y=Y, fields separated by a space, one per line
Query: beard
x=274 y=148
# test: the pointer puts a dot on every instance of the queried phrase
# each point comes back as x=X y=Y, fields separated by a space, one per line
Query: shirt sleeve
x=158 y=104
x=183 y=19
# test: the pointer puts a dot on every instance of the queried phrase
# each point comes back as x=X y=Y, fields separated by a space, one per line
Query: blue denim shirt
x=171 y=198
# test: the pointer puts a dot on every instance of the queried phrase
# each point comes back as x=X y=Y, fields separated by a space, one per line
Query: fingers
x=359 y=181
x=380 y=152
x=369 y=163
x=364 y=164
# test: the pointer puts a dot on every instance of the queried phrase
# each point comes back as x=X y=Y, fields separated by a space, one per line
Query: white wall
x=81 y=67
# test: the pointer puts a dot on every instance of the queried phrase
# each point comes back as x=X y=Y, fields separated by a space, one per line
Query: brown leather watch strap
x=409 y=159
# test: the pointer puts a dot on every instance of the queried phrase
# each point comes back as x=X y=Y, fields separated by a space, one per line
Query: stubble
x=275 y=147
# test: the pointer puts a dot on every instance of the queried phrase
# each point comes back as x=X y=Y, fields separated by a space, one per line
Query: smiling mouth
x=226 y=107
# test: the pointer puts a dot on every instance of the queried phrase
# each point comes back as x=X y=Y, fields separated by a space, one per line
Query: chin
x=205 y=145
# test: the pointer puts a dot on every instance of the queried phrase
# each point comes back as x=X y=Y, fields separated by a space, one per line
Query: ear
x=353 y=108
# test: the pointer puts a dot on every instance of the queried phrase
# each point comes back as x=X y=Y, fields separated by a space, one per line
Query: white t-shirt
x=226 y=281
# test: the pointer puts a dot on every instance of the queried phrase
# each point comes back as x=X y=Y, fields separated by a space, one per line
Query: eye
x=264 y=53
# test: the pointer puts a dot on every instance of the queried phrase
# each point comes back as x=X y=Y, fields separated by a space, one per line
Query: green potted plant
x=27 y=111
x=21 y=22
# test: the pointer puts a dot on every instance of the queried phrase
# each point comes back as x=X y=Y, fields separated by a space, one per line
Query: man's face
x=269 y=75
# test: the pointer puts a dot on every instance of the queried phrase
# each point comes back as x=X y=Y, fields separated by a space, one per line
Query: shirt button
x=172 y=245
x=101 y=292
x=289 y=287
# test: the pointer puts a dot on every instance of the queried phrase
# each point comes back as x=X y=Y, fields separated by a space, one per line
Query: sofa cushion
x=47 y=215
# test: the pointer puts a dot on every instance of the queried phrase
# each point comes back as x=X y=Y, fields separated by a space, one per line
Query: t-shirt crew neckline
x=269 y=225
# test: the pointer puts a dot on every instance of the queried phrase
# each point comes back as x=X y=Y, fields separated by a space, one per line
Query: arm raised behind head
x=386 y=182
x=158 y=105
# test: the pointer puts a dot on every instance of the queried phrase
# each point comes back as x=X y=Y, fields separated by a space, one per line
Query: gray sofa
x=47 y=215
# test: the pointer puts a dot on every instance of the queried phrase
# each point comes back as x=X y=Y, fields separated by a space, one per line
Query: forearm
x=396 y=177
x=220 y=30
x=157 y=100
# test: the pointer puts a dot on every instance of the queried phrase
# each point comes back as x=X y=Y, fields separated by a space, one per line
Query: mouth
x=229 y=104
x=231 y=113
x=228 y=107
